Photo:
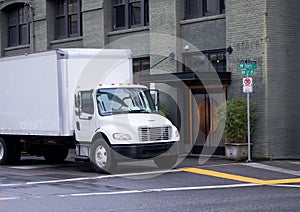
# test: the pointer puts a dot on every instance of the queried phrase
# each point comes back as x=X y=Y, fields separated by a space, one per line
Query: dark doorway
x=206 y=122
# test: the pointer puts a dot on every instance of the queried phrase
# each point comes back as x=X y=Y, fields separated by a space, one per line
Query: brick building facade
x=266 y=31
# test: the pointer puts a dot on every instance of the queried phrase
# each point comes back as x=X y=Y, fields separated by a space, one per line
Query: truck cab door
x=84 y=116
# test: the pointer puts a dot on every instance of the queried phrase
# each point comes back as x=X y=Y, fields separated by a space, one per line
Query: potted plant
x=232 y=116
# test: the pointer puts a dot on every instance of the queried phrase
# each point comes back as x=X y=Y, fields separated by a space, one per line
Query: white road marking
x=90 y=178
x=287 y=185
x=10 y=185
x=34 y=167
x=295 y=162
x=273 y=168
x=8 y=198
x=160 y=190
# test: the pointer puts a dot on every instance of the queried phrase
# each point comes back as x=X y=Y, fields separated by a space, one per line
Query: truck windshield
x=124 y=100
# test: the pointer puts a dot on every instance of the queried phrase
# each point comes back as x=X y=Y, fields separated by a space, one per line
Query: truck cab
x=119 y=122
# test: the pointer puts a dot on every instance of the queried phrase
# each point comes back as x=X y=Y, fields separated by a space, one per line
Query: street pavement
x=262 y=172
x=195 y=184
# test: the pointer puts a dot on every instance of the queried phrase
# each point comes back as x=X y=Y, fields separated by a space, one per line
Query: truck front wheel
x=101 y=157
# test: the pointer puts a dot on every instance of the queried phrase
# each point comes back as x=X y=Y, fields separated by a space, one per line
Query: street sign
x=247 y=72
x=247 y=66
x=247 y=81
x=247 y=88
x=247 y=85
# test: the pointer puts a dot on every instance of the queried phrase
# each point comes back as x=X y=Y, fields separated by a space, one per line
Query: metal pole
x=248 y=117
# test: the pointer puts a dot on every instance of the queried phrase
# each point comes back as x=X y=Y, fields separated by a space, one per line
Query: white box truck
x=83 y=99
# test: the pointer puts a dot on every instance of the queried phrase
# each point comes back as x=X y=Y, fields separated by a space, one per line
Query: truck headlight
x=121 y=136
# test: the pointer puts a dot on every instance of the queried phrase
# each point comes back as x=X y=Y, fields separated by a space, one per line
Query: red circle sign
x=247 y=81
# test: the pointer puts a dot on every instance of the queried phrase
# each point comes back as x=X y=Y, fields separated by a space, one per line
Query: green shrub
x=232 y=115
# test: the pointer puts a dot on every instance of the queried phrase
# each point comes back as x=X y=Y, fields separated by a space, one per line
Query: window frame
x=220 y=66
x=128 y=14
x=217 y=7
x=141 y=67
x=131 y=16
x=66 y=16
x=17 y=23
x=202 y=8
x=122 y=3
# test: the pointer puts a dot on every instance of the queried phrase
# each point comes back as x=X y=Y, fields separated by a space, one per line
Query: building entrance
x=205 y=122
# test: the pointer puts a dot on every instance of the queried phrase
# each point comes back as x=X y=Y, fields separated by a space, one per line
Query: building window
x=130 y=13
x=205 y=61
x=68 y=18
x=201 y=8
x=141 y=66
x=18 y=26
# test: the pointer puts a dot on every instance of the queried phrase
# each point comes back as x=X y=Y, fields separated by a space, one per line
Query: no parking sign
x=247 y=85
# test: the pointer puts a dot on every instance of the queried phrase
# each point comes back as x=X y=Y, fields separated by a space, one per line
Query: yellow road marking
x=282 y=181
x=239 y=177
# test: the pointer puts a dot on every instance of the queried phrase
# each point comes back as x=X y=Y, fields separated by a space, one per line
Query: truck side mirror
x=77 y=105
x=77 y=101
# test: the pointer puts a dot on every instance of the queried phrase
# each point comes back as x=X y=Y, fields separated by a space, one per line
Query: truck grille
x=155 y=133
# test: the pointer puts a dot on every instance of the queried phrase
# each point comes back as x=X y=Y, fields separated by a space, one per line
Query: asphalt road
x=216 y=185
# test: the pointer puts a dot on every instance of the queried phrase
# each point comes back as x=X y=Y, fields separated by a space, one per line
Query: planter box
x=236 y=151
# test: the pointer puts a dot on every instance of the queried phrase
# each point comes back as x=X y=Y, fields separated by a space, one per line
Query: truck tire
x=101 y=157
x=55 y=155
x=166 y=162
x=6 y=152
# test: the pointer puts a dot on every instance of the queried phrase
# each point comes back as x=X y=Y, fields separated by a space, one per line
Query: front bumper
x=144 y=151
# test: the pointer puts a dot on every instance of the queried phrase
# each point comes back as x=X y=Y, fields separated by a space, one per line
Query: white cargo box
x=37 y=90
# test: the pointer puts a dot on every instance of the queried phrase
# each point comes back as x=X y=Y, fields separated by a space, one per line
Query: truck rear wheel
x=10 y=152
x=101 y=157
x=3 y=152
x=55 y=155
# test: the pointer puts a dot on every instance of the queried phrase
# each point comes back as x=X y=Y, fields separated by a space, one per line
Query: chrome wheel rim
x=101 y=156
x=1 y=150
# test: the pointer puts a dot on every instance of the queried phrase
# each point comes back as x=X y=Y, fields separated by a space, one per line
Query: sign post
x=247 y=67
x=248 y=117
